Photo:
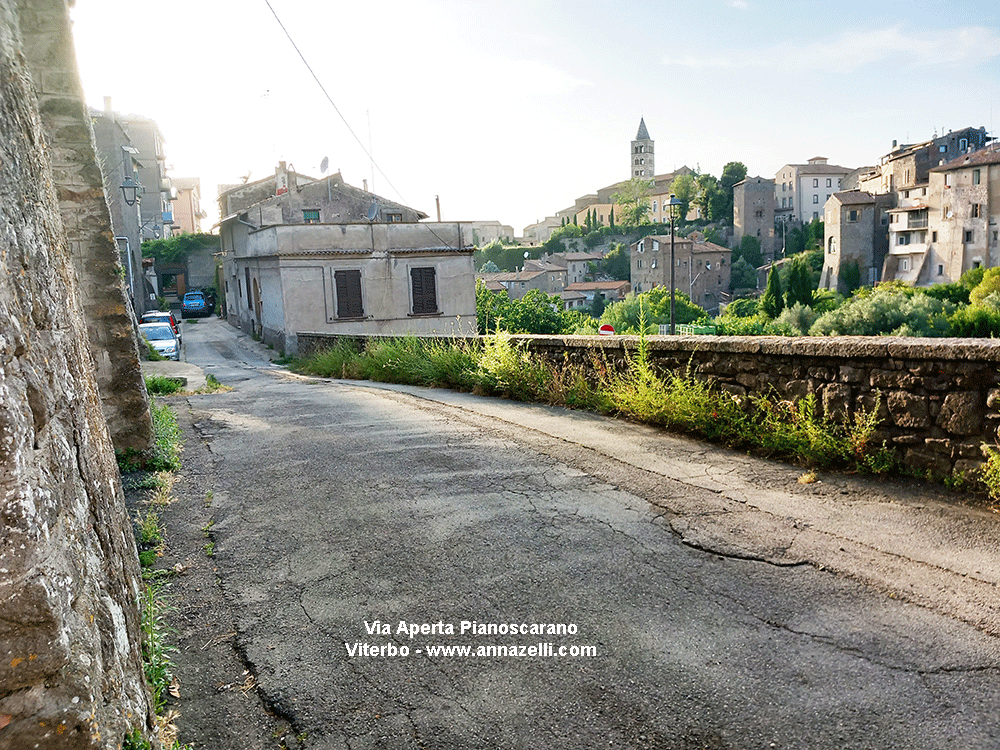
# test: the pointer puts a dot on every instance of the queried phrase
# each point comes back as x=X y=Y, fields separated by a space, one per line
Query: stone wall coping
x=846 y=347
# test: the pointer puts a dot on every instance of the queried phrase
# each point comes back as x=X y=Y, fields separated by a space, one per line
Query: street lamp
x=130 y=188
x=673 y=264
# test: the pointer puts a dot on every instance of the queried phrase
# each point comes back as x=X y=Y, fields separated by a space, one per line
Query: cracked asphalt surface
x=727 y=606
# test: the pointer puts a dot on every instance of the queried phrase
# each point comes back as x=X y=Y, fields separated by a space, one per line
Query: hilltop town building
x=642 y=153
x=920 y=227
x=701 y=268
x=801 y=190
x=753 y=212
x=188 y=212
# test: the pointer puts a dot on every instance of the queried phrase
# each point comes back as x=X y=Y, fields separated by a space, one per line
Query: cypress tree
x=772 y=302
x=800 y=289
x=612 y=217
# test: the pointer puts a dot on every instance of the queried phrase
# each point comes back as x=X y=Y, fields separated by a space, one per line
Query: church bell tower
x=642 y=153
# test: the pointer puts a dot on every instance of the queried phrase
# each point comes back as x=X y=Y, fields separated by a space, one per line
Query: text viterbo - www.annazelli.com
x=469 y=628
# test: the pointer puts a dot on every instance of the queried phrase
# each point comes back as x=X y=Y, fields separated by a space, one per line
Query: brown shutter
x=424 y=291
x=348 y=285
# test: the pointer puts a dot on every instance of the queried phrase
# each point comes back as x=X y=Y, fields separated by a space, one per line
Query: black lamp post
x=673 y=264
x=130 y=187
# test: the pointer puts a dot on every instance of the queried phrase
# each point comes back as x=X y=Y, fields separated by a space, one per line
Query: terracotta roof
x=854 y=198
x=588 y=286
x=986 y=155
x=509 y=276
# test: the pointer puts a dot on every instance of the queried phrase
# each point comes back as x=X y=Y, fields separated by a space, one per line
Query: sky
x=510 y=110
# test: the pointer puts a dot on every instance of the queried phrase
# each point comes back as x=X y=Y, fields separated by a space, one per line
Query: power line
x=344 y=119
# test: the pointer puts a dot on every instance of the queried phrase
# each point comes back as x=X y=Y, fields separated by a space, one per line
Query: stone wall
x=938 y=399
x=71 y=674
x=51 y=60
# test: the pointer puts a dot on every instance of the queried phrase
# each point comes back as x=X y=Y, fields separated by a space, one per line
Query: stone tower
x=642 y=153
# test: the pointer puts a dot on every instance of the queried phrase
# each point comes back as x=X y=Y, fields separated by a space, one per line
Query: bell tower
x=641 y=157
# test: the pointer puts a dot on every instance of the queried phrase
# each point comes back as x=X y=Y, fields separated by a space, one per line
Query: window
x=815 y=215
x=829 y=182
x=815 y=182
x=904 y=264
x=976 y=210
x=852 y=215
x=933 y=236
x=784 y=187
x=942 y=149
x=947 y=180
x=654 y=207
x=424 y=291
x=638 y=263
x=348 y=288
x=903 y=239
x=815 y=199
x=940 y=269
x=963 y=143
x=310 y=216
x=394 y=218
x=975 y=176
x=968 y=235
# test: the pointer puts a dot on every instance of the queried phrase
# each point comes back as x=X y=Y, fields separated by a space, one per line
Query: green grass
x=156 y=649
x=162 y=385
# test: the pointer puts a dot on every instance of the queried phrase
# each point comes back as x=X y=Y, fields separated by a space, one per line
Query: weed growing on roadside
x=155 y=648
x=989 y=472
x=162 y=385
x=210 y=549
x=509 y=370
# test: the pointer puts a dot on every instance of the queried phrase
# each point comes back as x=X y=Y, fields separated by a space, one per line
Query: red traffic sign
x=606 y=330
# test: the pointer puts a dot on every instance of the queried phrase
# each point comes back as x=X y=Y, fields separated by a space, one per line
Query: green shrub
x=979 y=321
x=338 y=361
x=989 y=472
x=741 y=308
x=887 y=309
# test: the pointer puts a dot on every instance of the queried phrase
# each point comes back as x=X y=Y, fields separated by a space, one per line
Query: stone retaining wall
x=938 y=399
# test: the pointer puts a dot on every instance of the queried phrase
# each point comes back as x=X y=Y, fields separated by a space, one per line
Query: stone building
x=642 y=156
x=701 y=268
x=854 y=237
x=949 y=226
x=753 y=212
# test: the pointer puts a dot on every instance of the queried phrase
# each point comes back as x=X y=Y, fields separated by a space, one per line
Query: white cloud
x=738 y=4
x=853 y=50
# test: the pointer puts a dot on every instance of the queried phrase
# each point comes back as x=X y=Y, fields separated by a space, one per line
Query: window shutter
x=424 y=291
x=348 y=284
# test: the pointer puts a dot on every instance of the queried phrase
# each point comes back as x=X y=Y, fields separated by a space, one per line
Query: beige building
x=547 y=278
x=801 y=190
x=297 y=260
x=187 y=205
x=701 y=268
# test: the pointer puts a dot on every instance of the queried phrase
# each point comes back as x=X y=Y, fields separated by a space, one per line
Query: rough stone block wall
x=938 y=399
x=51 y=60
x=70 y=667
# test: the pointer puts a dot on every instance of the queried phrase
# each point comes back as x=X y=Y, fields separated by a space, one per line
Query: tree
x=772 y=302
x=749 y=250
x=633 y=201
x=535 y=312
x=742 y=275
x=800 y=288
x=597 y=306
x=616 y=264
x=990 y=283
x=489 y=267
x=850 y=276
x=708 y=187
x=685 y=189
x=611 y=218
x=732 y=173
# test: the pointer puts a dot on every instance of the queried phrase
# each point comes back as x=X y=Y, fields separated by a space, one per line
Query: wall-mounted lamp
x=130 y=187
x=130 y=191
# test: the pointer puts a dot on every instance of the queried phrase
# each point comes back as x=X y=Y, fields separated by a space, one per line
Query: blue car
x=194 y=304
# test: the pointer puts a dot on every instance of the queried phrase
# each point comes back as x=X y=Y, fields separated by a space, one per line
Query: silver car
x=163 y=339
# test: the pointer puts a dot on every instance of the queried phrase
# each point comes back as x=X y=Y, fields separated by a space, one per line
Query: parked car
x=162 y=338
x=195 y=304
x=158 y=316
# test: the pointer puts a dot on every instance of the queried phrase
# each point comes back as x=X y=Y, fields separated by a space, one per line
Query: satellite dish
x=372 y=211
x=324 y=165
x=526 y=254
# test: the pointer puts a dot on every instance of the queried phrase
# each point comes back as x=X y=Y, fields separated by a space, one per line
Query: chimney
x=364 y=184
x=437 y=200
x=893 y=144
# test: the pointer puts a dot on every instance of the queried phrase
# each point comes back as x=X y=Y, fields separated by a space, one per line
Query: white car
x=163 y=339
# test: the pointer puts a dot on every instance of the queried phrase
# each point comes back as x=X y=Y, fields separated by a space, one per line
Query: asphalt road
x=663 y=593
